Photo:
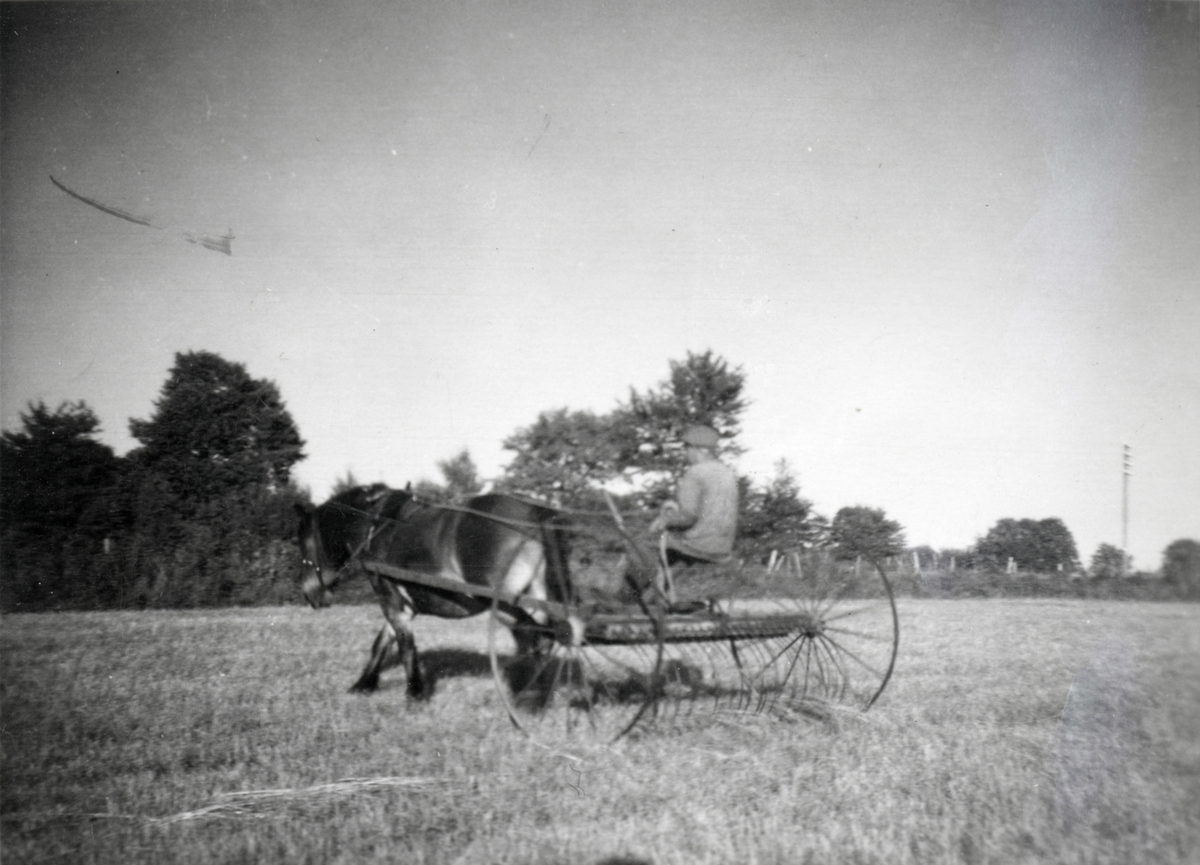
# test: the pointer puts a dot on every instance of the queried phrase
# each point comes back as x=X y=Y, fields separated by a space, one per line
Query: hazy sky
x=955 y=246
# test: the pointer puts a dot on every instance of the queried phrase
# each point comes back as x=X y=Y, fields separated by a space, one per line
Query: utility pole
x=1126 y=470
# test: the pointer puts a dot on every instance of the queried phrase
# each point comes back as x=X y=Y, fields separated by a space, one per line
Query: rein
x=524 y=526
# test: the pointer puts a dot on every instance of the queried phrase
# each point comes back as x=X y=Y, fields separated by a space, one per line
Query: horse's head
x=312 y=559
x=333 y=534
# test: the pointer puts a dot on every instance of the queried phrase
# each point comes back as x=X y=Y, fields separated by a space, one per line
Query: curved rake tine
x=759 y=691
x=791 y=642
x=783 y=673
x=768 y=693
x=737 y=660
x=823 y=678
x=710 y=684
x=808 y=658
x=791 y=669
x=608 y=683
x=744 y=694
x=534 y=685
x=570 y=690
x=843 y=676
x=625 y=667
x=775 y=687
x=768 y=673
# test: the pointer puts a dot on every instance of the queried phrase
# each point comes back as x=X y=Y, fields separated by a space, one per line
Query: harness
x=527 y=528
x=376 y=516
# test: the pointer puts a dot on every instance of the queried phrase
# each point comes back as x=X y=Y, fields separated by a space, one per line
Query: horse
x=498 y=541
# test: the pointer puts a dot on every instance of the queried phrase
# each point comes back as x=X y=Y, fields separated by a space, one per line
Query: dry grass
x=1013 y=731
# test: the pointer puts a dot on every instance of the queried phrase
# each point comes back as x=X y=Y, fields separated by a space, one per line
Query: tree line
x=201 y=512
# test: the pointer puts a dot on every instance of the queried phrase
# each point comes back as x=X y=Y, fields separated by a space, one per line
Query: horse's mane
x=362 y=497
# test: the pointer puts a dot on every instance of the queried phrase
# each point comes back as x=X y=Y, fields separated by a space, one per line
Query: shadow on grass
x=441 y=664
x=438 y=664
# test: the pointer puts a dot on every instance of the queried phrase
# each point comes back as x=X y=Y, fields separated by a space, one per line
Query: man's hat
x=701 y=436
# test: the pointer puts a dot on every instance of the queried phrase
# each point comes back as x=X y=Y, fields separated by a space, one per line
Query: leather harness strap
x=458 y=587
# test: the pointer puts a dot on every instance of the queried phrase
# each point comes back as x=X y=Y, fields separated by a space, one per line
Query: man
x=701 y=521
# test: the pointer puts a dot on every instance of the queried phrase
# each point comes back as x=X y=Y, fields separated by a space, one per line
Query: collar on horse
x=375 y=514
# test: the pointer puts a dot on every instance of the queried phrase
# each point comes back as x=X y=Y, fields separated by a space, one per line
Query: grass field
x=1013 y=731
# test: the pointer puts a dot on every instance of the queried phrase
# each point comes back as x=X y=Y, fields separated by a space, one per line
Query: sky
x=953 y=246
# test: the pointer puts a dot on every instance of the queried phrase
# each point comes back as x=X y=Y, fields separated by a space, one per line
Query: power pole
x=1126 y=470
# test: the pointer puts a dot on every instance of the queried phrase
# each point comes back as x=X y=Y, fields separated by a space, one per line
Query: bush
x=991 y=583
x=1037 y=545
x=1108 y=562
x=1181 y=567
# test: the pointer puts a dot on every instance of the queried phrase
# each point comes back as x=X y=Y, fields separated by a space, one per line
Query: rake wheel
x=564 y=686
x=823 y=633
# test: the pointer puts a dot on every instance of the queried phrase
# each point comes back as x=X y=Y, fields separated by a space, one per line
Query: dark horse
x=505 y=543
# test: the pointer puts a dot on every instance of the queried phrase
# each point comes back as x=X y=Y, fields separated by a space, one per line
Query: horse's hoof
x=364 y=687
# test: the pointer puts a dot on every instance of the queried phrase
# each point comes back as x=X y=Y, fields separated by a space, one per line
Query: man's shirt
x=708 y=491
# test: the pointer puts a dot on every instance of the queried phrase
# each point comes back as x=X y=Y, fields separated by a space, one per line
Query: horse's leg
x=384 y=653
x=526 y=574
x=399 y=611
x=388 y=648
x=409 y=658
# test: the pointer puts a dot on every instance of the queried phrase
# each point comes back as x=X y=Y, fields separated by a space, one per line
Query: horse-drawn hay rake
x=817 y=634
x=796 y=643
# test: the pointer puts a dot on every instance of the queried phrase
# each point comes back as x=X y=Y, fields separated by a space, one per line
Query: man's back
x=709 y=490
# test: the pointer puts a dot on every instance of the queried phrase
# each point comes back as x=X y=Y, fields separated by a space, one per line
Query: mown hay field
x=1013 y=731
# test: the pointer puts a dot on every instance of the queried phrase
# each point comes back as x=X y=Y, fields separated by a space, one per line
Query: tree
x=340 y=485
x=862 y=531
x=461 y=481
x=569 y=456
x=702 y=389
x=1181 y=566
x=564 y=456
x=1108 y=562
x=209 y=492
x=462 y=476
x=55 y=505
x=775 y=517
x=215 y=429
x=54 y=468
x=1035 y=545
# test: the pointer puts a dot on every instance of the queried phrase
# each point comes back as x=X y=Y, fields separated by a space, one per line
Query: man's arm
x=682 y=514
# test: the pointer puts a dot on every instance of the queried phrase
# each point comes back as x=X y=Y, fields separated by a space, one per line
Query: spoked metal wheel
x=824 y=634
x=559 y=685
x=843 y=648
